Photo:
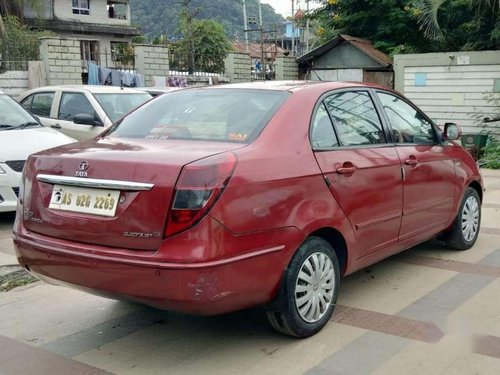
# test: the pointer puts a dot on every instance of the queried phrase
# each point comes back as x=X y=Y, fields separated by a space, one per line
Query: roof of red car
x=292 y=85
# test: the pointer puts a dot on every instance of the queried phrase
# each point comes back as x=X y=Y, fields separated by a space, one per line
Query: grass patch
x=14 y=276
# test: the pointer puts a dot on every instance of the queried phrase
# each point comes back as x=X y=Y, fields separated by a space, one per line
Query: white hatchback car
x=81 y=111
x=20 y=135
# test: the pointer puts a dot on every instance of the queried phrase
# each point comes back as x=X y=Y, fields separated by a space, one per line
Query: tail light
x=199 y=186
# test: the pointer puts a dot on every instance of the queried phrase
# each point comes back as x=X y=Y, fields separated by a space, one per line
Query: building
x=103 y=26
x=290 y=36
x=346 y=58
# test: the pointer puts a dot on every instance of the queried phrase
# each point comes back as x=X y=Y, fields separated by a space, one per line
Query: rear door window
x=355 y=118
x=39 y=104
x=322 y=133
x=26 y=103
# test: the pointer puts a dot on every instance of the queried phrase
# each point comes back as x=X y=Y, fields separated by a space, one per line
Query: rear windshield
x=227 y=115
x=118 y=105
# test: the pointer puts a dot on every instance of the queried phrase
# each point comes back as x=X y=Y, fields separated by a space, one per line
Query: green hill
x=157 y=17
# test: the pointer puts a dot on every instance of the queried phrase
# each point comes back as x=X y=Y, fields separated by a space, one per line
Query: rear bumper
x=204 y=288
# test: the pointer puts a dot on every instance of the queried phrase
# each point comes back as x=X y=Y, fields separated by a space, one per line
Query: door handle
x=346 y=170
x=56 y=126
x=411 y=162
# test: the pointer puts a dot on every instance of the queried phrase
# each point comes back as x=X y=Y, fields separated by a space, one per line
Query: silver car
x=20 y=135
x=81 y=111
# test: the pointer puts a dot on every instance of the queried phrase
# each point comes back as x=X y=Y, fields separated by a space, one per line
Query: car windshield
x=13 y=116
x=228 y=115
x=118 y=105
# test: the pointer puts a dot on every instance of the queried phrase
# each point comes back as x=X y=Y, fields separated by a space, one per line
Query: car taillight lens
x=199 y=186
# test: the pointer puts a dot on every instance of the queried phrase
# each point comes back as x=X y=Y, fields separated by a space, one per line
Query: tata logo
x=84 y=165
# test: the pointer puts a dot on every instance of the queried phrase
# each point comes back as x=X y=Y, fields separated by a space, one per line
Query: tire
x=465 y=229
x=305 y=304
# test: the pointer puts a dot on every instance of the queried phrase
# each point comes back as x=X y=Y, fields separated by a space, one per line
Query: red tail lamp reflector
x=199 y=186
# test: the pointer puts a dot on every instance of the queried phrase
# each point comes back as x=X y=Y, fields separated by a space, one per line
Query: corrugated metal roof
x=363 y=45
x=367 y=47
x=255 y=51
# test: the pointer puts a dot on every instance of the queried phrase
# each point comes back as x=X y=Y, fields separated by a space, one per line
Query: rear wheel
x=465 y=229
x=309 y=292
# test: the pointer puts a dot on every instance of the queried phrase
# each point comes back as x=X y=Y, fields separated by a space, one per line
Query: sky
x=285 y=6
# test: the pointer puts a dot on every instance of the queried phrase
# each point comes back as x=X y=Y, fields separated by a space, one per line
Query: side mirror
x=451 y=131
x=85 y=119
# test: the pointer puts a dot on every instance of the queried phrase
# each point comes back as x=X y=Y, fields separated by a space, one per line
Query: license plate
x=85 y=200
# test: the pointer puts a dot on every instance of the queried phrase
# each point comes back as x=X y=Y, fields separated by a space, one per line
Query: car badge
x=84 y=165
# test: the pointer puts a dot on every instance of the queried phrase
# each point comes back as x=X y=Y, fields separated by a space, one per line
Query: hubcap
x=314 y=287
x=470 y=218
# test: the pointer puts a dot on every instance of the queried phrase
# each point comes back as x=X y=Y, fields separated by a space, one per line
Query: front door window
x=408 y=125
x=74 y=104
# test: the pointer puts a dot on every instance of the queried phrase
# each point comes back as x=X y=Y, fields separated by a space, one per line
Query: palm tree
x=430 y=24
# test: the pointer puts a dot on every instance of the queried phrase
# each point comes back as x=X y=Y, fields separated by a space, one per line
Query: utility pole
x=293 y=29
x=263 y=63
x=189 y=16
x=260 y=13
x=307 y=28
x=245 y=25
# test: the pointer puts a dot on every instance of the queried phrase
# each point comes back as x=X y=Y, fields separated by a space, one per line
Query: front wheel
x=465 y=229
x=309 y=292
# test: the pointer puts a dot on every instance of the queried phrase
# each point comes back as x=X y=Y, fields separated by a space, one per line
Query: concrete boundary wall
x=238 y=67
x=14 y=82
x=150 y=61
x=62 y=60
x=64 y=66
x=286 y=68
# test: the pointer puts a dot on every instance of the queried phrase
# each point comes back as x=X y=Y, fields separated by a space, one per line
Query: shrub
x=491 y=155
x=20 y=42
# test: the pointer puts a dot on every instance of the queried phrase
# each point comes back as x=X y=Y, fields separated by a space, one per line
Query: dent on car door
x=428 y=166
x=362 y=170
x=75 y=103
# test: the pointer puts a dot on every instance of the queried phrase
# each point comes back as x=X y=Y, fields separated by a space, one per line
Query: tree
x=479 y=20
x=392 y=25
x=166 y=15
x=411 y=26
x=210 y=45
x=19 y=44
x=187 y=18
x=204 y=42
x=16 y=8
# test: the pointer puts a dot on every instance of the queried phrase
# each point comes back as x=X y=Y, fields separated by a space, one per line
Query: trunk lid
x=140 y=216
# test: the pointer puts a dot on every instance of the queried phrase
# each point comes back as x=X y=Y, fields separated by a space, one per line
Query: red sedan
x=216 y=199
